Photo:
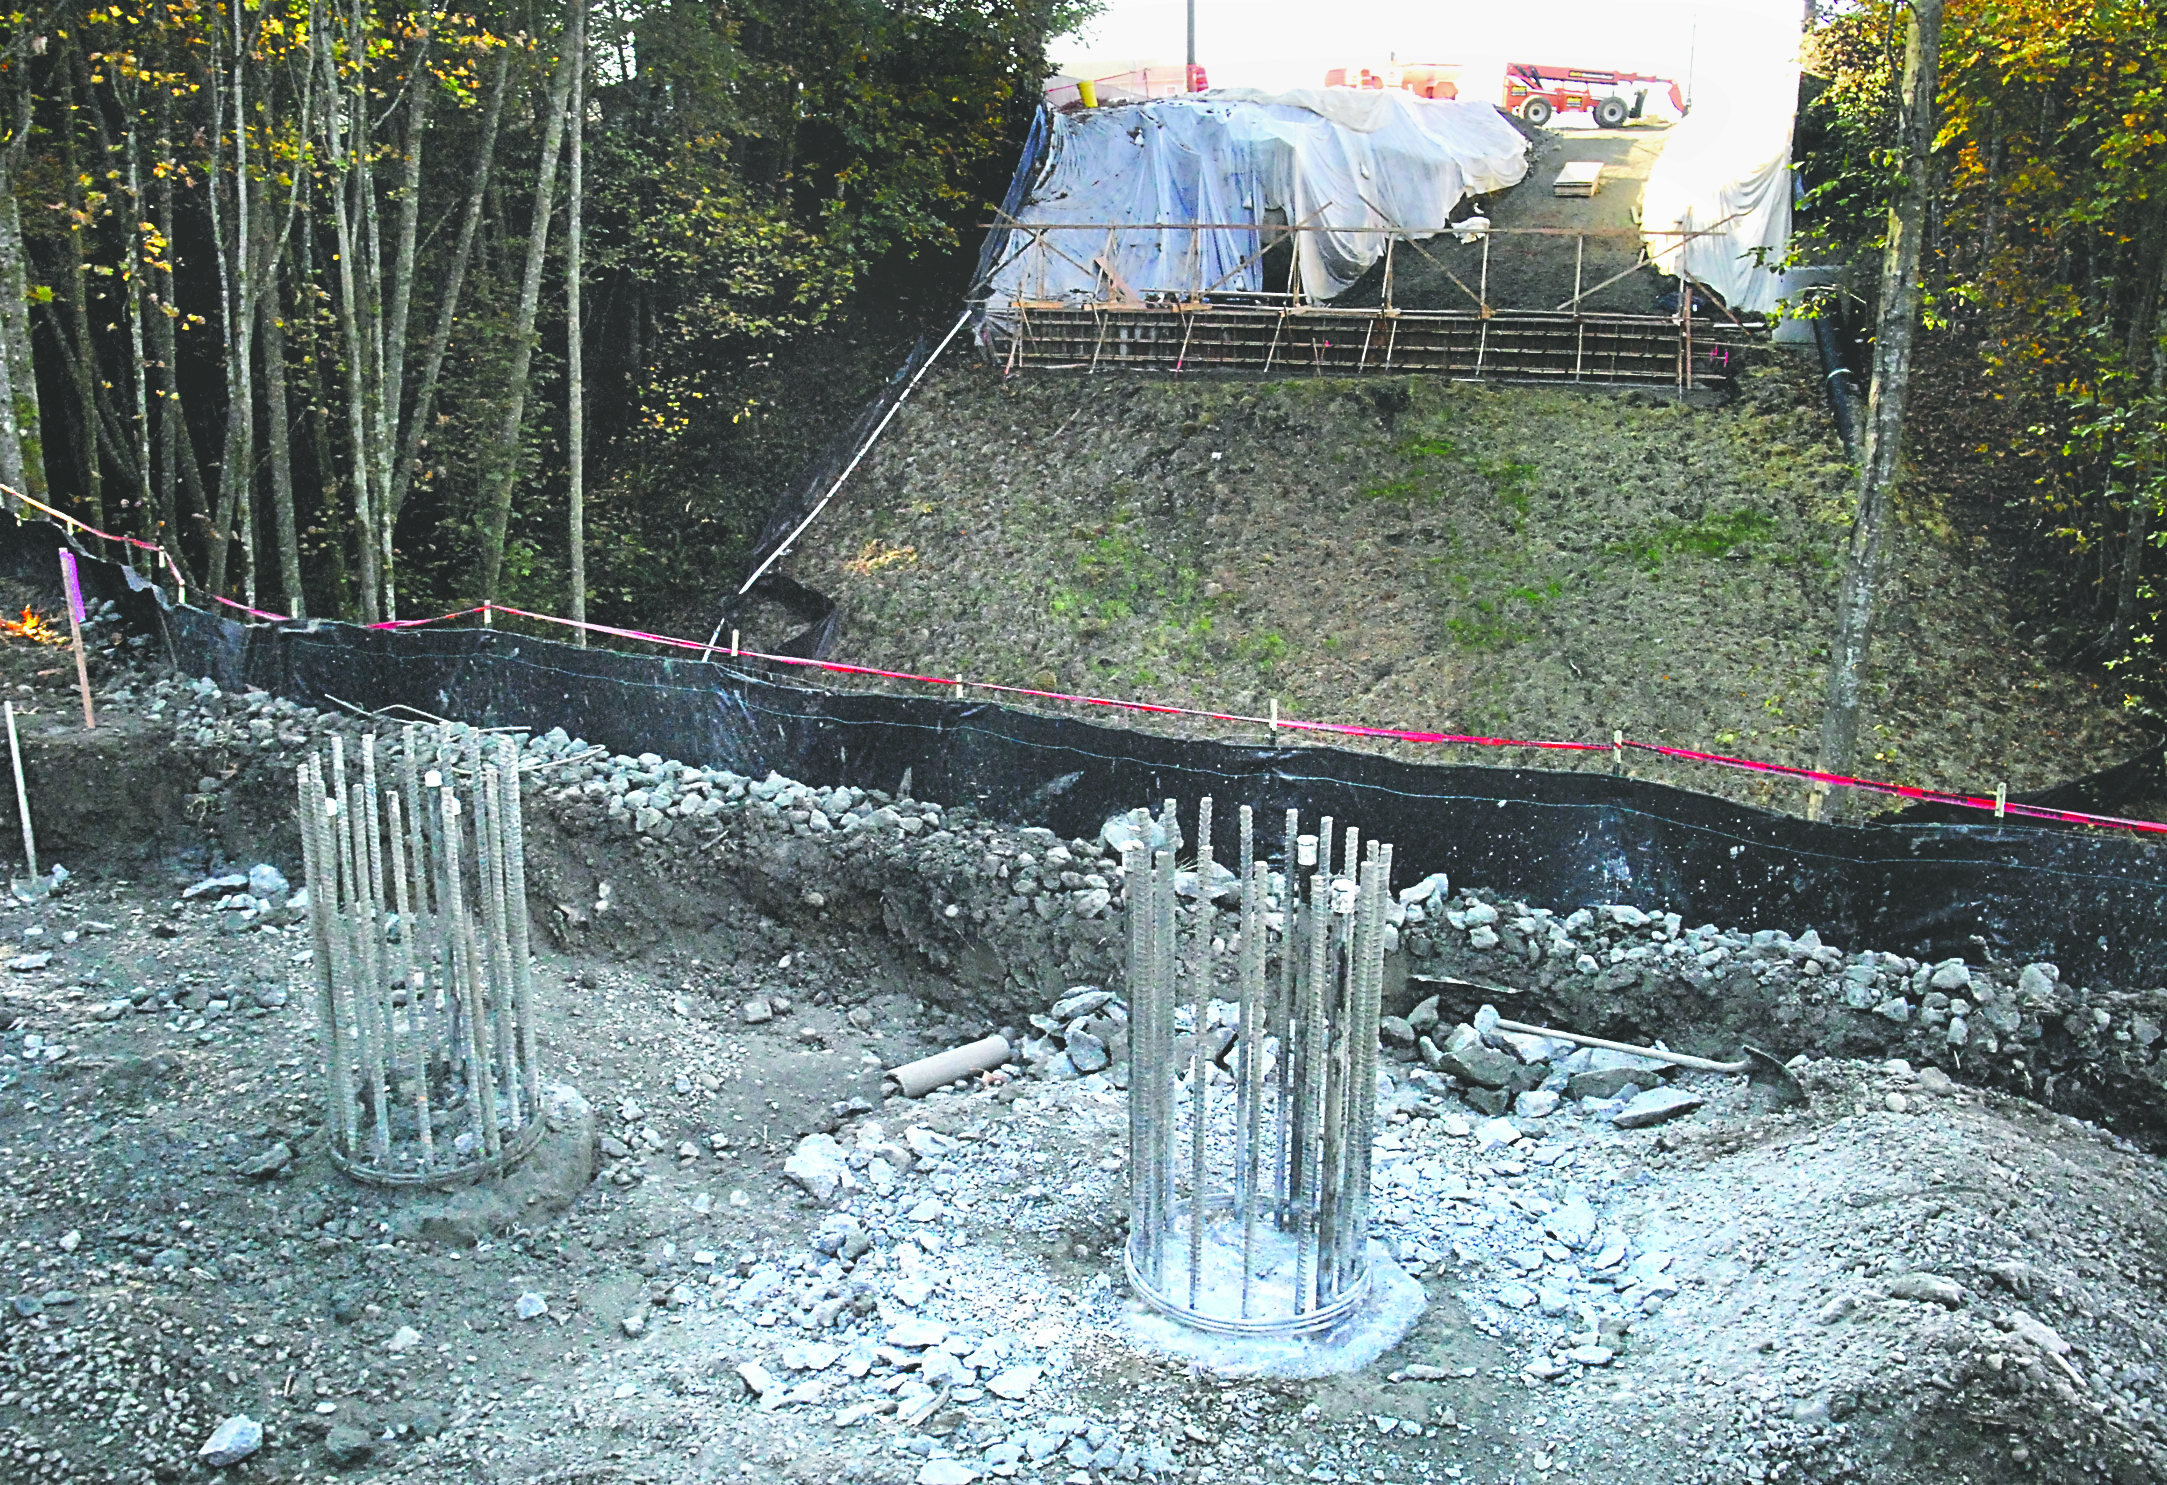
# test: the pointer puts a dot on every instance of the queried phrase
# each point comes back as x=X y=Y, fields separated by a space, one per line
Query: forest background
x=2038 y=413
x=286 y=286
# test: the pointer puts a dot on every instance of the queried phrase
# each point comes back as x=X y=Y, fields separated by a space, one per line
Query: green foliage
x=1265 y=651
x=1422 y=482
x=1513 y=485
x=2046 y=268
x=1494 y=623
x=1710 y=537
x=780 y=196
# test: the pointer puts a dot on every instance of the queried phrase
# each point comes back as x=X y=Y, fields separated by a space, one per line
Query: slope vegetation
x=1416 y=553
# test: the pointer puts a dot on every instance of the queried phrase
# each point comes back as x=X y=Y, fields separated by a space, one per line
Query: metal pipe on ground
x=22 y=794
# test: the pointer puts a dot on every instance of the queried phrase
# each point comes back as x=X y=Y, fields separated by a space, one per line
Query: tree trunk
x=177 y=444
x=2145 y=345
x=138 y=307
x=236 y=251
x=348 y=121
x=391 y=365
x=11 y=446
x=318 y=416
x=75 y=291
x=22 y=451
x=278 y=431
x=1895 y=334
x=432 y=365
x=575 y=331
x=503 y=471
x=12 y=468
x=111 y=438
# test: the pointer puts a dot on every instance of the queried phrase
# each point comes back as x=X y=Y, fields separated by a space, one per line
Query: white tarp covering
x=1726 y=167
x=1338 y=158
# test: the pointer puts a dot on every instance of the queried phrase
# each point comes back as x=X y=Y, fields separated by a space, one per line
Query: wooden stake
x=74 y=586
x=22 y=792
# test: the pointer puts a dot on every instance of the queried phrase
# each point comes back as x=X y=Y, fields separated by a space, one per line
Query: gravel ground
x=1516 y=562
x=1910 y=1279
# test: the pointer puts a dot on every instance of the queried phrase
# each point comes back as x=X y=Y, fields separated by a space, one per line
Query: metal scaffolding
x=1209 y=328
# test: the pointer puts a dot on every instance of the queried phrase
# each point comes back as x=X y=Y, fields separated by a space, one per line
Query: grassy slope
x=1418 y=553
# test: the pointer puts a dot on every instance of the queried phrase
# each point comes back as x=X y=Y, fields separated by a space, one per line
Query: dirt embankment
x=1516 y=562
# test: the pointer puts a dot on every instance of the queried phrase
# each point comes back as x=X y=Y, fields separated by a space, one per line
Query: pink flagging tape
x=164 y=557
x=457 y=613
x=261 y=613
x=391 y=623
x=73 y=584
x=1906 y=791
x=1154 y=708
x=1346 y=729
x=1275 y=722
x=61 y=515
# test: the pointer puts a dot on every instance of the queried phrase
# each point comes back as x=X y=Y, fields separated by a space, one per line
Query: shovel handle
x=1680 y=1059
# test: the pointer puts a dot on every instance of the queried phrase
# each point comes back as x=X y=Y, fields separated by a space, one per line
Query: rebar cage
x=1269 y=1234
x=417 y=898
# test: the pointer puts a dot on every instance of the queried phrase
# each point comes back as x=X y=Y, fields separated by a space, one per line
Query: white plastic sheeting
x=1727 y=167
x=1339 y=158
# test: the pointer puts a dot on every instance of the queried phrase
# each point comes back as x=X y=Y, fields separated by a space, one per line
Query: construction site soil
x=1908 y=1279
x=1504 y=561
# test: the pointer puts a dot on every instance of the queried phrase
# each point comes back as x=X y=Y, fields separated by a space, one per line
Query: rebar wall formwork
x=417 y=897
x=1202 y=328
x=1249 y=1183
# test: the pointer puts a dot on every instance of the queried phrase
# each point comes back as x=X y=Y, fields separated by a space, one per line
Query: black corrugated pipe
x=1838 y=377
x=1834 y=374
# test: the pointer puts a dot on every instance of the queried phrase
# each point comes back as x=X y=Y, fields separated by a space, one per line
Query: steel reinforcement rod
x=1312 y=1019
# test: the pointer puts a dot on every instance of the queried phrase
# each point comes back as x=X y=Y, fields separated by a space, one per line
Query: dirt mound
x=1415 y=553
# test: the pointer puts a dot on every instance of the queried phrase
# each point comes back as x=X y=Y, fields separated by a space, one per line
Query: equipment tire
x=1537 y=110
x=1611 y=113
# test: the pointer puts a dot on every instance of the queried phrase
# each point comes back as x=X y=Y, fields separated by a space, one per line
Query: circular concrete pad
x=1394 y=1302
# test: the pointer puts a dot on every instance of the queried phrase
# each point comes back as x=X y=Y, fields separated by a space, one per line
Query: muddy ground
x=1511 y=562
x=180 y=1249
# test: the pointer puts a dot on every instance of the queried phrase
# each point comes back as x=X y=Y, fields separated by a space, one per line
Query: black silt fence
x=2091 y=901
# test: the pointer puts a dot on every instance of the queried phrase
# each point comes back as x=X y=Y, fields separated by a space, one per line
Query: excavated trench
x=950 y=913
x=927 y=920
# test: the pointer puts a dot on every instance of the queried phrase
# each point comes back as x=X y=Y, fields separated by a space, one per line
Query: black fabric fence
x=2090 y=901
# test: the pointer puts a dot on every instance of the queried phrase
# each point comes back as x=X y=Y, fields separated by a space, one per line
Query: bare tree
x=278 y=433
x=22 y=460
x=1881 y=470
x=347 y=153
x=575 y=329
x=503 y=471
x=235 y=242
x=141 y=252
x=72 y=335
x=447 y=310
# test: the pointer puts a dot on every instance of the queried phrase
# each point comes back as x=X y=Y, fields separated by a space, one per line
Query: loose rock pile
x=1015 y=916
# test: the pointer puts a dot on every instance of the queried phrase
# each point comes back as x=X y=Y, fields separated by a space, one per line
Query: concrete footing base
x=1394 y=1302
